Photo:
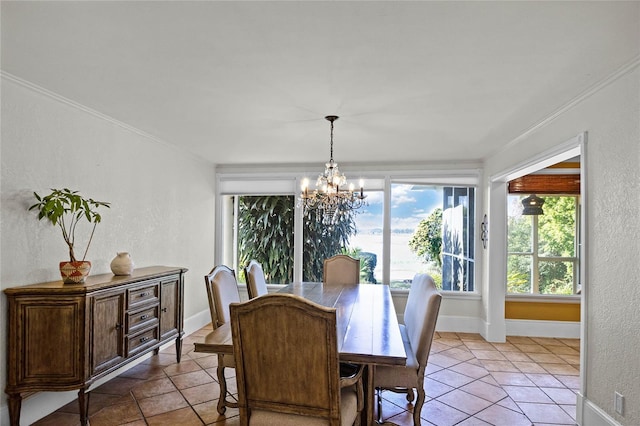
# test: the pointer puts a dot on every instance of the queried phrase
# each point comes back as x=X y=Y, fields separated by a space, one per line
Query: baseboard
x=196 y=322
x=42 y=404
x=533 y=328
x=458 y=324
x=589 y=414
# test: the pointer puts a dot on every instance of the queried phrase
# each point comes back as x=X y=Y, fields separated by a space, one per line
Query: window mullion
x=535 y=276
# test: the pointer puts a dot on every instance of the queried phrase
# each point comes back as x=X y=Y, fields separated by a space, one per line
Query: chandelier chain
x=331 y=154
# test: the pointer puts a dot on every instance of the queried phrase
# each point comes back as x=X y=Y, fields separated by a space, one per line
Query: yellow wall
x=542 y=311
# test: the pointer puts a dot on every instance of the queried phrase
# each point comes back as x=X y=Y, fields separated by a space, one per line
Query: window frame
x=282 y=180
x=536 y=258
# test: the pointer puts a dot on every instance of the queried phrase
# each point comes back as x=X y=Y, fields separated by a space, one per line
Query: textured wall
x=613 y=358
x=611 y=117
x=162 y=200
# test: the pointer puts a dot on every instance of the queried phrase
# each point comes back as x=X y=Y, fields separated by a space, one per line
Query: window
x=322 y=241
x=261 y=227
x=458 y=239
x=542 y=249
x=420 y=241
x=367 y=241
x=412 y=206
x=409 y=226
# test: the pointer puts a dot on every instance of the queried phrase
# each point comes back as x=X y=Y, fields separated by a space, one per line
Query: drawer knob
x=144 y=317
x=144 y=339
x=145 y=294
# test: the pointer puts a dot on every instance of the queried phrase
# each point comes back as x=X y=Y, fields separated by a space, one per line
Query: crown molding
x=590 y=91
x=83 y=108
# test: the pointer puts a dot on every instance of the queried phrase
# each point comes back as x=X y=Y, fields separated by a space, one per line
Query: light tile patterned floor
x=524 y=381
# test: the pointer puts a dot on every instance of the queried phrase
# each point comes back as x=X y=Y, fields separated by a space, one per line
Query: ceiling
x=250 y=82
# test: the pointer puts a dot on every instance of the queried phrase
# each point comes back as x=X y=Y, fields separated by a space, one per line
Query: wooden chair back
x=222 y=290
x=256 y=283
x=286 y=359
x=421 y=315
x=341 y=270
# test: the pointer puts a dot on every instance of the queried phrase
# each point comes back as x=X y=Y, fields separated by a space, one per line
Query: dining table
x=366 y=326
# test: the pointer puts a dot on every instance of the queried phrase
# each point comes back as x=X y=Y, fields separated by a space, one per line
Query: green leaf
x=63 y=208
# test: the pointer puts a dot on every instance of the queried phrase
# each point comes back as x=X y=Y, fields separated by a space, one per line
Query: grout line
x=454 y=362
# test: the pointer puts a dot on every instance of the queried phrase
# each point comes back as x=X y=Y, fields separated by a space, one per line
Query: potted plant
x=65 y=209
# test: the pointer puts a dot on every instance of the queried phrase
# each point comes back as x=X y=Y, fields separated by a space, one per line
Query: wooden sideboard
x=65 y=336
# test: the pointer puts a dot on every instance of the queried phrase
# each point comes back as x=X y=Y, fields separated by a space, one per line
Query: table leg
x=369 y=395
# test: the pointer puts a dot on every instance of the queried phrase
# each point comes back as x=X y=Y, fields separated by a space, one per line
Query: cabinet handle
x=145 y=294
x=164 y=309
x=144 y=317
x=118 y=326
x=144 y=339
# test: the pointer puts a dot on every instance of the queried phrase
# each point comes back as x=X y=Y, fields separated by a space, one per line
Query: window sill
x=547 y=298
x=402 y=292
x=399 y=292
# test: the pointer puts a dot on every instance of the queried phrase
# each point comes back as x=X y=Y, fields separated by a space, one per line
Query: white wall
x=162 y=200
x=611 y=355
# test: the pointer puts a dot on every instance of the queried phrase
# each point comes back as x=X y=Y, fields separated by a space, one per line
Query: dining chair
x=420 y=316
x=287 y=366
x=254 y=275
x=340 y=270
x=222 y=290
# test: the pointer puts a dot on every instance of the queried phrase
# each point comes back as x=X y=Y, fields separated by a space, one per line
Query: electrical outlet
x=618 y=403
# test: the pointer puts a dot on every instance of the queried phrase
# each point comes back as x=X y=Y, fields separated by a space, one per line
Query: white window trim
x=495 y=295
x=536 y=258
x=286 y=180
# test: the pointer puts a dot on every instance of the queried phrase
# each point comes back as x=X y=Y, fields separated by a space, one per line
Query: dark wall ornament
x=484 y=231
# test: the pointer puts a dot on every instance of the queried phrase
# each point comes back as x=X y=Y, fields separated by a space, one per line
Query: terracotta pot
x=74 y=272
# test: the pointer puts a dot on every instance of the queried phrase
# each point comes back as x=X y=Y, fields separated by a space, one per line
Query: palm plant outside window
x=266 y=233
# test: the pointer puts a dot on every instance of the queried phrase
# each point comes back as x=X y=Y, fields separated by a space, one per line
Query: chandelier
x=532 y=205
x=330 y=203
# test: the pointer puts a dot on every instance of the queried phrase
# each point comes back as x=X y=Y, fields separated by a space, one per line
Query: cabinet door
x=169 y=308
x=46 y=335
x=108 y=330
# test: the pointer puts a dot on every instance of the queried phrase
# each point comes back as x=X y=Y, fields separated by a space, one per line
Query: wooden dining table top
x=367 y=326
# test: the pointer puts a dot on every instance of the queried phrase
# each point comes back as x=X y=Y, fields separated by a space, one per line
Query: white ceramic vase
x=122 y=264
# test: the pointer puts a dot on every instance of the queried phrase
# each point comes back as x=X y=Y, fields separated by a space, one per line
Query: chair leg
x=360 y=396
x=379 y=398
x=223 y=387
x=417 y=408
x=410 y=394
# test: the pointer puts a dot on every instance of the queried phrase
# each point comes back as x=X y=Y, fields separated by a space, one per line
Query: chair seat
x=348 y=409
x=388 y=376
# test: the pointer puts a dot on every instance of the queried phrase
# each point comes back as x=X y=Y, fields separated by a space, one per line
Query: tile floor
x=525 y=381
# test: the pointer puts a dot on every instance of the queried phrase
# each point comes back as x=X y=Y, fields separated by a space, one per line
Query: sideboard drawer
x=140 y=341
x=143 y=295
x=142 y=319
